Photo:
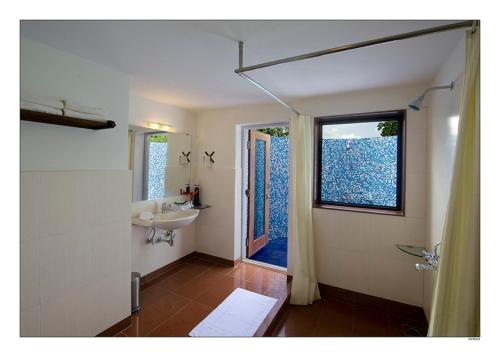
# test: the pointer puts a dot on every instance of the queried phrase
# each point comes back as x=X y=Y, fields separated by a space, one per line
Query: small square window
x=360 y=162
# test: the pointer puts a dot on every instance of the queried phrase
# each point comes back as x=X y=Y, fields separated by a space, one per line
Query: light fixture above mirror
x=159 y=126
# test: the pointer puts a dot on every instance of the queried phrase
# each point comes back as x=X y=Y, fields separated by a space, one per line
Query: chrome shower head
x=417 y=103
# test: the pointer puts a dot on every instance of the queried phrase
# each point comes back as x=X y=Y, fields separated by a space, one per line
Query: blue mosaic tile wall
x=278 y=215
x=278 y=191
x=260 y=191
x=157 y=163
x=360 y=171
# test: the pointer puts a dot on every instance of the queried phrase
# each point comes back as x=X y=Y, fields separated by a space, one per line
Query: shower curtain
x=304 y=284
x=455 y=302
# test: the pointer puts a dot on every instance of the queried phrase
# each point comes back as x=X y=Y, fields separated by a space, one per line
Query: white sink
x=170 y=220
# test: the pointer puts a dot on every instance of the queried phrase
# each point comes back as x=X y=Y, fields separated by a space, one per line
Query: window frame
x=319 y=122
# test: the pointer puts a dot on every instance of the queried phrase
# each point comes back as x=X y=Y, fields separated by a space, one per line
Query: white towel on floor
x=36 y=99
x=40 y=108
x=239 y=315
x=76 y=107
x=73 y=114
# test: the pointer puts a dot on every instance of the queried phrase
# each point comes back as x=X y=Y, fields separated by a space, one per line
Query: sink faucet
x=164 y=207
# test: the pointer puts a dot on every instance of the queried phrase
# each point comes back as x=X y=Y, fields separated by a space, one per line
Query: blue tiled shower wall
x=278 y=215
x=360 y=171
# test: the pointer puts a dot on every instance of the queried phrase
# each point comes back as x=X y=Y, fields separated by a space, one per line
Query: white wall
x=143 y=110
x=53 y=73
x=444 y=109
x=147 y=258
x=354 y=251
x=75 y=218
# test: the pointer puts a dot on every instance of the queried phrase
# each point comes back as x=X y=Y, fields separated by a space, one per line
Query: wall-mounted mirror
x=160 y=162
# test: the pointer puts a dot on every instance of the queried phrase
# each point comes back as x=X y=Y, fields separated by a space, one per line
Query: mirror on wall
x=160 y=162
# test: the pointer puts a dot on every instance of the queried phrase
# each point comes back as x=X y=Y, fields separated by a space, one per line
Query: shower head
x=417 y=103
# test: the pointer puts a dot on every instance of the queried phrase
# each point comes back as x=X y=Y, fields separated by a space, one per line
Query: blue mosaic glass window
x=360 y=162
x=260 y=188
x=157 y=169
x=278 y=211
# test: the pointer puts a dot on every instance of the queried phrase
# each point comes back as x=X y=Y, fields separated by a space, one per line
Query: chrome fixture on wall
x=417 y=103
x=431 y=259
x=156 y=235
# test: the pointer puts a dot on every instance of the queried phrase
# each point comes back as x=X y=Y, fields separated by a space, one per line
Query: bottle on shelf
x=196 y=199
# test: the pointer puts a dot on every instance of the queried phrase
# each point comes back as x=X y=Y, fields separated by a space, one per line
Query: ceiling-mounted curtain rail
x=274 y=96
x=241 y=69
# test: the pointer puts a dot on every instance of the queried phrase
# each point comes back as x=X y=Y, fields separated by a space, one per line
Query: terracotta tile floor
x=332 y=318
x=176 y=303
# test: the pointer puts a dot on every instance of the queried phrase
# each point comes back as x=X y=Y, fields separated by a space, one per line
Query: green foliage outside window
x=388 y=128
x=275 y=131
x=159 y=138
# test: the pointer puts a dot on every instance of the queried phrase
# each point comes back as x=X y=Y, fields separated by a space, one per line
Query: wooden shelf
x=38 y=117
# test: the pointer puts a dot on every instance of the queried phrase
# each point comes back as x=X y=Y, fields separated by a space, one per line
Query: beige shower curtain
x=455 y=303
x=304 y=284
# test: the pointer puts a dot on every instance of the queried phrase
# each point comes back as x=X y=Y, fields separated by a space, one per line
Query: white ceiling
x=190 y=64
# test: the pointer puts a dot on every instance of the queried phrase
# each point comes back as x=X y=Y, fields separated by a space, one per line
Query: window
x=360 y=162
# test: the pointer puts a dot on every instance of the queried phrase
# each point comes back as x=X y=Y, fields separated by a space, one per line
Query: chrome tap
x=164 y=207
x=420 y=267
x=431 y=259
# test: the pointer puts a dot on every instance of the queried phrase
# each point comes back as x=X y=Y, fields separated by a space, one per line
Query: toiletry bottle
x=196 y=200
x=187 y=188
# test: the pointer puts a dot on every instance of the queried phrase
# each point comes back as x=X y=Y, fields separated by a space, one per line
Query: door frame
x=243 y=139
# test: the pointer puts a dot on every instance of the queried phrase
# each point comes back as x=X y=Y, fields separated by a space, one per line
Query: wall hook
x=187 y=156
x=210 y=156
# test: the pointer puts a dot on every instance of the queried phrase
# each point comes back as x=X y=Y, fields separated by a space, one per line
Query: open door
x=258 y=191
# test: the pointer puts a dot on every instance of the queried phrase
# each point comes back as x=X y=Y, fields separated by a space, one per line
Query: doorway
x=265 y=184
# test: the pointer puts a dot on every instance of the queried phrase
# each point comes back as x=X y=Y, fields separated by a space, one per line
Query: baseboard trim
x=373 y=302
x=150 y=278
x=170 y=268
x=218 y=260
x=116 y=328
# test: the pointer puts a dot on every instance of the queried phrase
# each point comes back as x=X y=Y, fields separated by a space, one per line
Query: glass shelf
x=410 y=249
x=201 y=206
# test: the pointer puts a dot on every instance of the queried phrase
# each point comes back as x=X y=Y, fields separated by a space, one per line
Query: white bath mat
x=240 y=314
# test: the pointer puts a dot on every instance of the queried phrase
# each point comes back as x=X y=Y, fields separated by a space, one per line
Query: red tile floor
x=329 y=317
x=177 y=302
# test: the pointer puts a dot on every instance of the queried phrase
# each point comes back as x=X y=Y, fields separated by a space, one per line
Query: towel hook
x=187 y=156
x=210 y=156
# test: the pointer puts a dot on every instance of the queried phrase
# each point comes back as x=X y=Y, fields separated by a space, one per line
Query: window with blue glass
x=360 y=161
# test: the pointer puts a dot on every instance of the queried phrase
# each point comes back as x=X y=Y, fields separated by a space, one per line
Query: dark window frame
x=393 y=115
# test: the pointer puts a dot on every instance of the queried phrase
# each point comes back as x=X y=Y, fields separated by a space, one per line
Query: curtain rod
x=274 y=96
x=260 y=86
x=240 y=71
x=378 y=41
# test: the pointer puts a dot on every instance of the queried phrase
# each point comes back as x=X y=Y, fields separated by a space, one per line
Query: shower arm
x=449 y=86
